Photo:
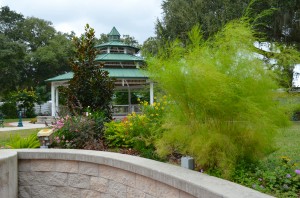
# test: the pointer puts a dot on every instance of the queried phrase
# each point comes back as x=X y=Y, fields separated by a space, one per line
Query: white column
x=53 y=110
x=56 y=100
x=151 y=93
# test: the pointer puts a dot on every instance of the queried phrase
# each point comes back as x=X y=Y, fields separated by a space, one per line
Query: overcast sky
x=134 y=17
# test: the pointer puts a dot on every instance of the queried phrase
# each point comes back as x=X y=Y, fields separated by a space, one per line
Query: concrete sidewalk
x=26 y=125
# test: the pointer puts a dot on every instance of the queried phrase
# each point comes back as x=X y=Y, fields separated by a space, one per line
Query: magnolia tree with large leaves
x=90 y=88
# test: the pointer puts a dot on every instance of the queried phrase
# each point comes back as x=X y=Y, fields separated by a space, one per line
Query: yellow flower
x=154 y=98
x=138 y=99
x=164 y=97
x=156 y=108
x=154 y=104
x=162 y=108
x=157 y=114
x=152 y=115
x=158 y=104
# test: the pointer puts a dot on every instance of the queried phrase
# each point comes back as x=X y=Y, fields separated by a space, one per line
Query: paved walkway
x=26 y=125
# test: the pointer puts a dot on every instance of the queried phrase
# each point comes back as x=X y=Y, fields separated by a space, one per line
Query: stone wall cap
x=192 y=182
x=7 y=153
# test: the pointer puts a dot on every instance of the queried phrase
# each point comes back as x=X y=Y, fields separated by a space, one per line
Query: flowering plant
x=279 y=177
x=138 y=131
x=74 y=132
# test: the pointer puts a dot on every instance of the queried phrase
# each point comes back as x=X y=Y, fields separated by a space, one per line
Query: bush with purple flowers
x=278 y=177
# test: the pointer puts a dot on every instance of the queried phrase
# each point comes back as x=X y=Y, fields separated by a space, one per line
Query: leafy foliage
x=31 y=51
x=16 y=142
x=138 y=131
x=74 y=132
x=275 y=20
x=90 y=86
x=212 y=15
x=278 y=177
x=9 y=109
x=11 y=61
x=225 y=106
x=122 y=98
x=25 y=99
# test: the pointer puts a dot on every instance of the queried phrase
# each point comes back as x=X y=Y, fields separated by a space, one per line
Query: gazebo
x=122 y=63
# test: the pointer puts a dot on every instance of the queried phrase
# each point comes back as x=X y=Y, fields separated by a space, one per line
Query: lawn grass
x=288 y=143
x=5 y=135
x=7 y=121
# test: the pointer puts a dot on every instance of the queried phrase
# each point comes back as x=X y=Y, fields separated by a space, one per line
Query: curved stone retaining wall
x=82 y=173
x=8 y=174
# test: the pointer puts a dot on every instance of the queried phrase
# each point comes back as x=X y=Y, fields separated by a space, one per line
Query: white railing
x=125 y=109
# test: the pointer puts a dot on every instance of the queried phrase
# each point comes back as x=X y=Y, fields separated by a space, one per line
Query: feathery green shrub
x=223 y=107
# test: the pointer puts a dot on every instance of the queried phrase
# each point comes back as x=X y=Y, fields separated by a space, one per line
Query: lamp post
x=20 y=124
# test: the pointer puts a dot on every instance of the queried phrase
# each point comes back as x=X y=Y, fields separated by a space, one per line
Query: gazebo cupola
x=114 y=35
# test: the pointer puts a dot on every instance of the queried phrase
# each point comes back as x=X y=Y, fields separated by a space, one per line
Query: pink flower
x=297 y=172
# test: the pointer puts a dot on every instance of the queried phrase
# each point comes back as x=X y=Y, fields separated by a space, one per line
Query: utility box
x=45 y=137
x=187 y=162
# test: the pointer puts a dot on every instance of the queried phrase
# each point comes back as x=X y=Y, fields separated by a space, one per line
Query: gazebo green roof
x=118 y=57
x=114 y=32
x=113 y=73
x=117 y=44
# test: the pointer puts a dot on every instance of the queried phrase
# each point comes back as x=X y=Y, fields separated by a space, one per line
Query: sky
x=136 y=18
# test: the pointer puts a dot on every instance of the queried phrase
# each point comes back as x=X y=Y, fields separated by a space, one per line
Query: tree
x=90 y=86
x=48 y=51
x=102 y=39
x=25 y=99
x=31 y=51
x=179 y=16
x=9 y=21
x=130 y=40
x=277 y=23
x=35 y=32
x=49 y=60
x=11 y=62
x=150 y=47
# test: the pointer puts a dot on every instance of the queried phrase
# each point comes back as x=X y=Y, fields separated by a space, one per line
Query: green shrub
x=79 y=131
x=138 y=131
x=74 y=132
x=223 y=107
x=9 y=109
x=16 y=142
x=117 y=135
x=276 y=177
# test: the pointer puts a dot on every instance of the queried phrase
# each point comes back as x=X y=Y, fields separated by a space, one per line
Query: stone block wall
x=8 y=174
x=43 y=173
x=61 y=178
